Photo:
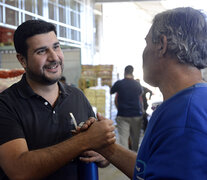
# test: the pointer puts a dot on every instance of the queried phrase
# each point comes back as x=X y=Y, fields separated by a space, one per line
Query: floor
x=111 y=173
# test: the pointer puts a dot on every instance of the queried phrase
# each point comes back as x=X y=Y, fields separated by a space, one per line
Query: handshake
x=98 y=132
x=97 y=135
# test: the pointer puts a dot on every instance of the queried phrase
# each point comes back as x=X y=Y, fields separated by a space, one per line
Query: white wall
x=124 y=30
x=72 y=65
x=9 y=61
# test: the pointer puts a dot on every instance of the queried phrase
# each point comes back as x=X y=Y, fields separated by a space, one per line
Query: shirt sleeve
x=114 y=87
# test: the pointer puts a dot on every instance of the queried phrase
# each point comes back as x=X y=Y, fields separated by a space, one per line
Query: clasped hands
x=100 y=134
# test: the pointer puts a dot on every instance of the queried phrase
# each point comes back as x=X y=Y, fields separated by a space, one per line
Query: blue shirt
x=175 y=142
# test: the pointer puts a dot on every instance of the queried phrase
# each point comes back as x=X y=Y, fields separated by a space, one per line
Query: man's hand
x=92 y=156
x=100 y=134
x=85 y=126
x=89 y=122
x=100 y=117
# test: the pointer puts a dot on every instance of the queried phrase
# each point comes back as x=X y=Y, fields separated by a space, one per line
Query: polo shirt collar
x=63 y=90
x=24 y=89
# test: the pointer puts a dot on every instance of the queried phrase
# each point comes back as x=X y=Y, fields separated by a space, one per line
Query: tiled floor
x=111 y=173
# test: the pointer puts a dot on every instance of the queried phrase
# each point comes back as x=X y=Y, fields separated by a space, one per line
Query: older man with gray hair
x=174 y=145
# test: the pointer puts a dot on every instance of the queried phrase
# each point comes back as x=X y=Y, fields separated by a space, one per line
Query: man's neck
x=178 y=79
x=129 y=76
x=48 y=92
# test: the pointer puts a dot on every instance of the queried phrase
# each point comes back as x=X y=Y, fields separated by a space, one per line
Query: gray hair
x=186 y=32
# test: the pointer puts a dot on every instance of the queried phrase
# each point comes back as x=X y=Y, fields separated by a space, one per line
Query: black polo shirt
x=24 y=114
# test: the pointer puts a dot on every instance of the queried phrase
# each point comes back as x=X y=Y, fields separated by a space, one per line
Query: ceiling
x=150 y=7
x=104 y=1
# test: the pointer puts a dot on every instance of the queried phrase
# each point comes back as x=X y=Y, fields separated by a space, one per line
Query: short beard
x=42 y=79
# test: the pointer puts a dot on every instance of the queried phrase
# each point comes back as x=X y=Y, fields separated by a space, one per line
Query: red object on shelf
x=11 y=73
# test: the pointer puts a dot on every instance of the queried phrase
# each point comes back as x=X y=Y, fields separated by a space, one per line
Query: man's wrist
x=107 y=151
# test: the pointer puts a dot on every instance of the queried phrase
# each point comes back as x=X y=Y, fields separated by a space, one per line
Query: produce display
x=9 y=77
x=10 y=73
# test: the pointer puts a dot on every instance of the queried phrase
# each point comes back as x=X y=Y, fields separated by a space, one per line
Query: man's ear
x=22 y=60
x=163 y=45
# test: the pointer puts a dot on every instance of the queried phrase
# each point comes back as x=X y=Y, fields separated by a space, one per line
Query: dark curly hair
x=27 y=30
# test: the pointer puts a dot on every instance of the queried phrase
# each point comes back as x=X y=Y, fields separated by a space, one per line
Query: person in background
x=36 y=114
x=175 y=141
x=145 y=105
x=129 y=115
x=63 y=80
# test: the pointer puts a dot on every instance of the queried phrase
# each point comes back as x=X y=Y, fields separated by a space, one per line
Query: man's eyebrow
x=40 y=48
x=57 y=43
x=45 y=47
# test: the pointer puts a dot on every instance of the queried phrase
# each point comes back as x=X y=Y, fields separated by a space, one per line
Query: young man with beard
x=174 y=145
x=36 y=141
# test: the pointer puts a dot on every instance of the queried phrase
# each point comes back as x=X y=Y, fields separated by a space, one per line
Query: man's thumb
x=100 y=117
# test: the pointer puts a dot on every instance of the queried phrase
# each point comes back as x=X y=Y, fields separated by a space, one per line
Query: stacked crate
x=101 y=101
x=91 y=96
x=88 y=77
x=96 y=82
x=97 y=98
x=105 y=73
x=90 y=74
